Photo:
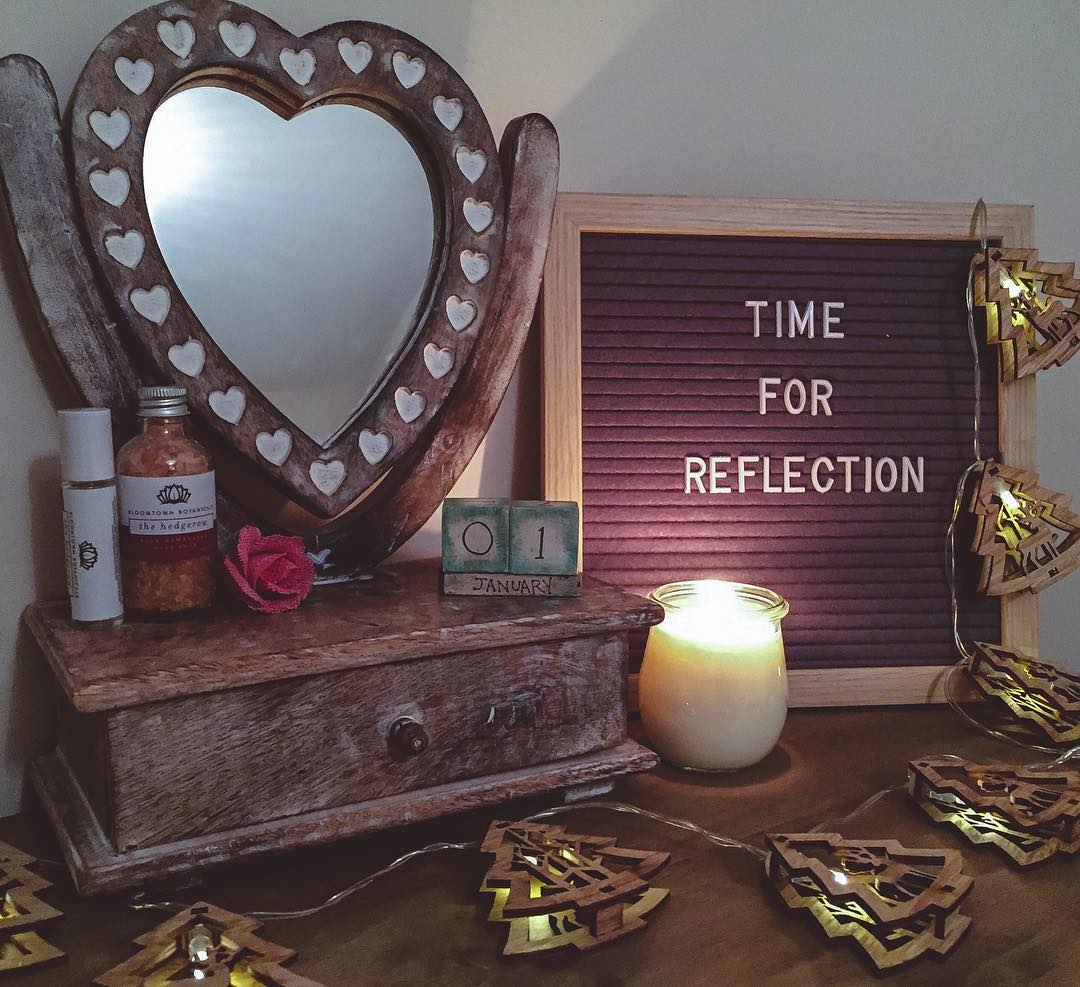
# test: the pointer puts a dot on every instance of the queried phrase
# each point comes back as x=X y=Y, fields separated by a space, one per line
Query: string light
x=966 y=655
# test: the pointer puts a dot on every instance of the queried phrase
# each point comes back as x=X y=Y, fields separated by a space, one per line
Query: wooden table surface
x=722 y=924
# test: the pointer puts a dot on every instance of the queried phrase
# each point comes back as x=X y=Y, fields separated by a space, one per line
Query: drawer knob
x=408 y=736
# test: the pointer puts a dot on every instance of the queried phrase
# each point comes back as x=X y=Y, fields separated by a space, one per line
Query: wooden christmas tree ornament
x=1031 y=307
x=556 y=890
x=208 y=947
x=1034 y=691
x=1027 y=535
x=21 y=947
x=1028 y=815
x=896 y=903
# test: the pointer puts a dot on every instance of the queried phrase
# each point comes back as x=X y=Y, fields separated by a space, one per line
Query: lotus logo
x=88 y=554
x=174 y=493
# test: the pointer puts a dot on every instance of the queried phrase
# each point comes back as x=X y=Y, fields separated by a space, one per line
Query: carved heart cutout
x=274 y=447
x=477 y=214
x=113 y=128
x=126 y=249
x=448 y=111
x=347 y=307
x=460 y=312
x=189 y=358
x=228 y=405
x=327 y=476
x=408 y=70
x=439 y=360
x=357 y=55
x=238 y=38
x=410 y=404
x=152 y=305
x=299 y=64
x=471 y=162
x=474 y=265
x=113 y=185
x=177 y=36
x=136 y=75
x=374 y=445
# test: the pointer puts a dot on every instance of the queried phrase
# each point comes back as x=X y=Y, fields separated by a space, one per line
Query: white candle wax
x=713 y=685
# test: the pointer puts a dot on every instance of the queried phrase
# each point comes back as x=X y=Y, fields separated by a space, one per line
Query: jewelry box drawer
x=230 y=759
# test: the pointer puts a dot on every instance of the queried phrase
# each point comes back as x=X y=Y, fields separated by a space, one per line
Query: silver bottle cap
x=163 y=402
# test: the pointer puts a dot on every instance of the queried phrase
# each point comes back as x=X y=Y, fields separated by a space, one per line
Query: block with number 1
x=544 y=537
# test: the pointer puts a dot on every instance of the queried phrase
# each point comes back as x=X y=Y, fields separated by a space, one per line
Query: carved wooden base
x=97 y=867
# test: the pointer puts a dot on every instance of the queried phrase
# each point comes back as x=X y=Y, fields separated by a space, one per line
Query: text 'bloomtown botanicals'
x=829 y=473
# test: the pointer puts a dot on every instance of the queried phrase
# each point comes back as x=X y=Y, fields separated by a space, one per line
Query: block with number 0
x=475 y=535
x=544 y=537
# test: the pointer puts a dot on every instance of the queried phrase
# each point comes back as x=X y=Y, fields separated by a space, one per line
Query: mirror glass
x=304 y=246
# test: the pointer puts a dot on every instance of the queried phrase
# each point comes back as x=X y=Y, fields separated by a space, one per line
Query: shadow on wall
x=30 y=723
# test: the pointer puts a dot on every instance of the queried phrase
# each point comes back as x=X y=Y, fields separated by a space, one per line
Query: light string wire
x=141 y=902
x=979 y=222
x=967 y=656
x=717 y=839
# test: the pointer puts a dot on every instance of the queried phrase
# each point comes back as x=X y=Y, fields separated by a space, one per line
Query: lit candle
x=713 y=686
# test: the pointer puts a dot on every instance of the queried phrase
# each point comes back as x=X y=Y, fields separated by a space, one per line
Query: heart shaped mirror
x=314 y=235
x=304 y=246
x=306 y=233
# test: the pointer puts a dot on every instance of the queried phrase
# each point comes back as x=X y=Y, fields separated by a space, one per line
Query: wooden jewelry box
x=188 y=743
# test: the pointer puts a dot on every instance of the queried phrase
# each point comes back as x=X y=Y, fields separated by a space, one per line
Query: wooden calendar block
x=475 y=535
x=544 y=537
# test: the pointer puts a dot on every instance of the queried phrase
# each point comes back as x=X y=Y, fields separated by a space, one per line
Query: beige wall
x=914 y=100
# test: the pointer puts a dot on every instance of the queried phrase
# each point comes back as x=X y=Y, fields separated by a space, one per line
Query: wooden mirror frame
x=83 y=292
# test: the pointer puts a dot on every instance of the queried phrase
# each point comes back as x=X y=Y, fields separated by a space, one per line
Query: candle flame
x=718 y=614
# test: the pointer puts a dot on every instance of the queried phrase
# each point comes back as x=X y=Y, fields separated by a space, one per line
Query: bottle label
x=168 y=518
x=93 y=560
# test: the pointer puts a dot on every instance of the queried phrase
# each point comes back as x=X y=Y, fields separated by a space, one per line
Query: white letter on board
x=791 y=474
x=757 y=307
x=764 y=393
x=831 y=320
x=821 y=391
x=800 y=388
x=696 y=474
x=818 y=485
x=766 y=485
x=716 y=474
x=745 y=471
x=879 y=474
x=912 y=479
x=800 y=324
x=847 y=461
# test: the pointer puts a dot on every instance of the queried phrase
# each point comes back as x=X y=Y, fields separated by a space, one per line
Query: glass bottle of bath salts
x=168 y=529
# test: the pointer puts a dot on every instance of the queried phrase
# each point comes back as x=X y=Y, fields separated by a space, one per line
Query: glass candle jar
x=713 y=685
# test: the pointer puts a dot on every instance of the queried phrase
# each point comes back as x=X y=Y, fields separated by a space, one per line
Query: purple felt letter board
x=792 y=412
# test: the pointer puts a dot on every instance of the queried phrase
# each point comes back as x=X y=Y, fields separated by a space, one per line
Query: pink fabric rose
x=269 y=573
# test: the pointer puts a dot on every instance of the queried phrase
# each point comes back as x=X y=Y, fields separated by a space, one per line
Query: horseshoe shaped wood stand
x=187 y=744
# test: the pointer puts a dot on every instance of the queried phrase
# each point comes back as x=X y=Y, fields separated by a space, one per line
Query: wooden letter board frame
x=561 y=385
